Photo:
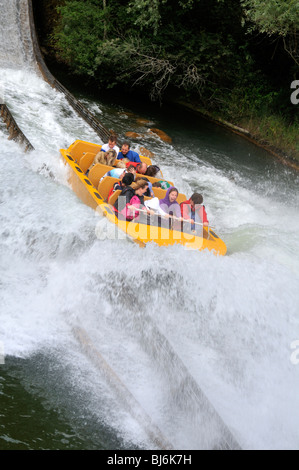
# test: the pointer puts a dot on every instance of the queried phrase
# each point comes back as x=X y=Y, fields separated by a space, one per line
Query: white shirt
x=106 y=147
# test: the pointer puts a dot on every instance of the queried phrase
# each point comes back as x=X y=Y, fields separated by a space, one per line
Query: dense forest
x=237 y=60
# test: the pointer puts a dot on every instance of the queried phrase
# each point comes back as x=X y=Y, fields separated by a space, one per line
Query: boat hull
x=141 y=233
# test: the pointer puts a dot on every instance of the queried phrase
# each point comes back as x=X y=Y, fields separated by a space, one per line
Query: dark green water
x=33 y=417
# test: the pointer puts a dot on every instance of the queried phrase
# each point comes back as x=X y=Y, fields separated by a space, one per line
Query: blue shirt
x=131 y=155
x=115 y=172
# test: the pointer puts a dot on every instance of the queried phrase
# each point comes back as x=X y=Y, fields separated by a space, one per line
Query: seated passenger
x=125 y=152
x=115 y=173
x=104 y=158
x=118 y=172
x=140 y=167
x=111 y=144
x=194 y=211
x=164 y=184
x=137 y=200
x=126 y=194
x=118 y=184
x=126 y=180
x=131 y=169
x=166 y=206
x=130 y=199
x=149 y=192
x=152 y=170
x=169 y=205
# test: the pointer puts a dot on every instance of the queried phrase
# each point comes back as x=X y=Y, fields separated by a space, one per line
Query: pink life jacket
x=128 y=213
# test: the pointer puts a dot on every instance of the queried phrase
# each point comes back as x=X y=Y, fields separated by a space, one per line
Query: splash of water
x=230 y=320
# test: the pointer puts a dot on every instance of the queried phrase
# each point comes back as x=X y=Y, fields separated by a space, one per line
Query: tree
x=276 y=18
x=146 y=13
x=81 y=29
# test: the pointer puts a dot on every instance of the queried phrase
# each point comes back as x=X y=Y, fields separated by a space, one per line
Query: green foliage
x=79 y=34
x=273 y=16
x=205 y=51
x=199 y=49
x=276 y=18
x=145 y=13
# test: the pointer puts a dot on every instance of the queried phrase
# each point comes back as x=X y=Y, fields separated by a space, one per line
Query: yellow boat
x=94 y=191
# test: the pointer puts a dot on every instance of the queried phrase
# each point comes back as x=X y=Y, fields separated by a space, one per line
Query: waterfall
x=15 y=38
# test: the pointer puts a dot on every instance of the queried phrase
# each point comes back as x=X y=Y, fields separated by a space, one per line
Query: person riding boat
x=164 y=184
x=149 y=192
x=126 y=152
x=140 y=167
x=126 y=190
x=118 y=184
x=111 y=144
x=169 y=205
x=194 y=211
x=131 y=199
x=105 y=158
x=153 y=170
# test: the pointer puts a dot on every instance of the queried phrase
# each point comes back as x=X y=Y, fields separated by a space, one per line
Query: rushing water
x=104 y=341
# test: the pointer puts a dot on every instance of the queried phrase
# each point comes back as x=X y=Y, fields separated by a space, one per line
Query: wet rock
x=145 y=152
x=133 y=135
x=163 y=136
x=143 y=122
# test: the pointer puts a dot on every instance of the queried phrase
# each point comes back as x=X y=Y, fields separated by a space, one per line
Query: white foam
x=231 y=320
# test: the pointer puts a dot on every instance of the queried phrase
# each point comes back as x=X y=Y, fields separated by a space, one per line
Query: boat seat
x=86 y=160
x=113 y=197
x=146 y=160
x=97 y=172
x=79 y=147
x=105 y=185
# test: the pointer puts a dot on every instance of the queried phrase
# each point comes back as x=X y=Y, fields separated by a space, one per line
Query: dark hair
x=128 y=179
x=171 y=189
x=157 y=184
x=112 y=138
x=126 y=143
x=197 y=198
x=152 y=170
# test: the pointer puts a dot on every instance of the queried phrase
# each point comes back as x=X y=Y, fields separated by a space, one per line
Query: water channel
x=231 y=321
